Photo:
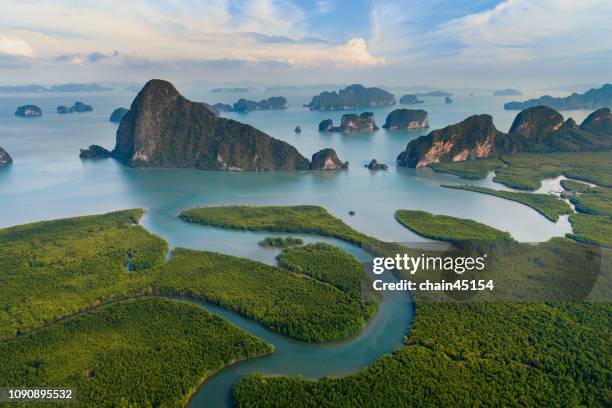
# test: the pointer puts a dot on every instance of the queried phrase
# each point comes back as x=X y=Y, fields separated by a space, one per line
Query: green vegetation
x=470 y=354
x=575 y=186
x=140 y=352
x=591 y=229
x=469 y=169
x=595 y=201
x=51 y=270
x=308 y=219
x=446 y=228
x=525 y=171
x=295 y=305
x=548 y=205
x=330 y=264
x=55 y=268
x=280 y=242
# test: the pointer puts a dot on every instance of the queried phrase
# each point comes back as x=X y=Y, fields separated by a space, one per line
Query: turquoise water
x=48 y=181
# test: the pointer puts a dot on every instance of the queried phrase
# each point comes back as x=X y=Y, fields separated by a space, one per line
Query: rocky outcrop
x=351 y=123
x=94 y=152
x=352 y=97
x=475 y=137
x=327 y=159
x=273 y=103
x=326 y=125
x=297 y=129
x=592 y=99
x=410 y=100
x=5 y=158
x=507 y=92
x=535 y=130
x=406 y=119
x=598 y=122
x=77 y=107
x=118 y=114
x=375 y=165
x=447 y=100
x=28 y=111
x=164 y=129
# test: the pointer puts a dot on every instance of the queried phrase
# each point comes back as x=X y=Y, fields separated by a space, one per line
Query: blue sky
x=394 y=42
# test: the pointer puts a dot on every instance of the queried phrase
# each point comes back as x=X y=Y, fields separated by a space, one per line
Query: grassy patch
x=308 y=219
x=469 y=169
x=591 y=229
x=141 y=352
x=450 y=229
x=280 y=242
x=548 y=205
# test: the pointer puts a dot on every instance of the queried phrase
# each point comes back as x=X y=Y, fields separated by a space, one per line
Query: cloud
x=15 y=47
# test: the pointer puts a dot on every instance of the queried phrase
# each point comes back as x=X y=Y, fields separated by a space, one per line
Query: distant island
x=164 y=129
x=436 y=94
x=5 y=158
x=77 y=107
x=447 y=100
x=507 y=92
x=410 y=100
x=406 y=119
x=230 y=90
x=351 y=122
x=327 y=159
x=593 y=99
x=118 y=114
x=272 y=103
x=54 y=88
x=539 y=130
x=28 y=111
x=352 y=97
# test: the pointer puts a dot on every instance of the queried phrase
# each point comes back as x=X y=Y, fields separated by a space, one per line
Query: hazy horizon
x=485 y=44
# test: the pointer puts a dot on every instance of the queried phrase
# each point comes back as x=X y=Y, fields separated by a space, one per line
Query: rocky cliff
x=352 y=97
x=407 y=119
x=327 y=159
x=537 y=130
x=592 y=99
x=5 y=158
x=164 y=129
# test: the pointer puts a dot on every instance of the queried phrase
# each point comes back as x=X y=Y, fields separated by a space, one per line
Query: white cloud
x=15 y=47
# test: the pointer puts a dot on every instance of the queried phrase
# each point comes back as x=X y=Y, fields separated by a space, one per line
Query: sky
x=458 y=43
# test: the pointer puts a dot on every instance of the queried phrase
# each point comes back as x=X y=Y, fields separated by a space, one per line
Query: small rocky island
x=77 y=107
x=118 y=114
x=401 y=119
x=448 y=100
x=164 y=129
x=507 y=92
x=94 y=152
x=352 y=97
x=273 y=103
x=592 y=99
x=297 y=129
x=327 y=159
x=410 y=100
x=28 y=111
x=5 y=158
x=375 y=165
x=539 y=129
x=351 y=122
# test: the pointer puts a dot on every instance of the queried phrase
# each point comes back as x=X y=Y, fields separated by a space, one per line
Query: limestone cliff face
x=164 y=129
x=358 y=123
x=599 y=122
x=407 y=119
x=473 y=138
x=327 y=159
x=5 y=158
x=537 y=130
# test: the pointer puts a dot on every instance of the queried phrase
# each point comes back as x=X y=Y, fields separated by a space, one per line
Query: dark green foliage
x=459 y=355
x=406 y=119
x=575 y=186
x=469 y=169
x=291 y=304
x=143 y=352
x=55 y=268
x=280 y=242
x=548 y=205
x=591 y=229
x=352 y=97
x=592 y=200
x=330 y=264
x=309 y=219
x=446 y=228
